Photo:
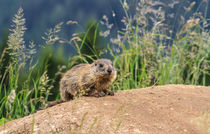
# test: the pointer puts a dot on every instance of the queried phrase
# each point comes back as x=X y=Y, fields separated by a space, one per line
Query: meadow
x=146 y=52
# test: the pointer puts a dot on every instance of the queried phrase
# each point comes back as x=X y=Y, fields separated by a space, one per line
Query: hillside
x=174 y=109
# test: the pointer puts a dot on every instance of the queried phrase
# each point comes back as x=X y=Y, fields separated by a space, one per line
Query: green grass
x=20 y=97
x=145 y=58
x=140 y=54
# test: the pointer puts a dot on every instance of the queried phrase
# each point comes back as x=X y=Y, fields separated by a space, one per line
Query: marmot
x=88 y=80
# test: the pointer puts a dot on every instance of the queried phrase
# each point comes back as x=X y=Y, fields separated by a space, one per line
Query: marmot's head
x=103 y=68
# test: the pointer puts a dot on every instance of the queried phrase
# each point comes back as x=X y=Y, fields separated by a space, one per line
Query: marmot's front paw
x=109 y=92
x=99 y=94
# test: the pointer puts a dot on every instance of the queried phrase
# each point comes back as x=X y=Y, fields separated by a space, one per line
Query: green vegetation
x=144 y=53
x=147 y=59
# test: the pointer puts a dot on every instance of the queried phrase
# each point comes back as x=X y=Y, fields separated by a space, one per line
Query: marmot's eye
x=101 y=65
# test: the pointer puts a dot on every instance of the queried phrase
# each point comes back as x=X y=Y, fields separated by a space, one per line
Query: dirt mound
x=170 y=109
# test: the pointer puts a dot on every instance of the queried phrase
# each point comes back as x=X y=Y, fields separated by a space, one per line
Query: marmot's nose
x=109 y=70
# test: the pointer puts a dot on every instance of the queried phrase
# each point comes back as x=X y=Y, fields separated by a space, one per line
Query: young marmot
x=88 y=80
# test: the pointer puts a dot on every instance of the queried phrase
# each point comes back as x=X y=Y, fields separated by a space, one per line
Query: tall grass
x=20 y=97
x=145 y=53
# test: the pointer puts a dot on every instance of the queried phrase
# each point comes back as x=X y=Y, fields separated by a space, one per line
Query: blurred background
x=41 y=15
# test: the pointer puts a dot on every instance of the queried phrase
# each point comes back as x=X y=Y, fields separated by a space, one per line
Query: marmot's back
x=88 y=79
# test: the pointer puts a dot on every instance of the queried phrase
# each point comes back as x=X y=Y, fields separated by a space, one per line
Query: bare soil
x=169 y=109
